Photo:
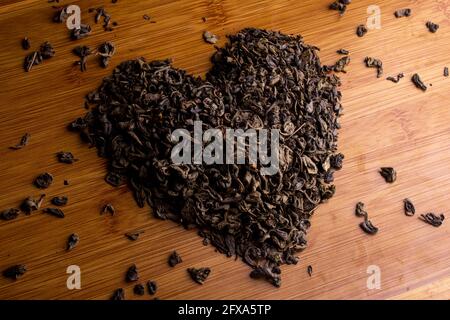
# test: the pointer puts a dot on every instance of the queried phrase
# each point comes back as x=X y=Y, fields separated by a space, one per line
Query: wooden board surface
x=384 y=124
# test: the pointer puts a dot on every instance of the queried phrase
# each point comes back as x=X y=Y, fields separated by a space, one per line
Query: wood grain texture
x=385 y=124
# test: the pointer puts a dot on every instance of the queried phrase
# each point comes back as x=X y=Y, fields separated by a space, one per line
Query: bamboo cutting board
x=384 y=124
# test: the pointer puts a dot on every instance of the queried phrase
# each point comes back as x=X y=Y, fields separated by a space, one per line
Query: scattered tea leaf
x=72 y=241
x=66 y=157
x=152 y=287
x=374 y=63
x=9 y=214
x=397 y=78
x=132 y=274
x=139 y=289
x=340 y=6
x=15 y=272
x=54 y=212
x=80 y=33
x=310 y=270
x=133 y=236
x=26 y=44
x=432 y=219
x=368 y=227
x=43 y=181
x=59 y=201
x=33 y=59
x=418 y=82
x=389 y=174
x=402 y=13
x=109 y=208
x=174 y=259
x=82 y=52
x=23 y=142
x=30 y=204
x=446 y=73
x=359 y=210
x=361 y=30
x=343 y=51
x=106 y=51
x=432 y=27
x=47 y=51
x=119 y=294
x=409 y=207
x=199 y=275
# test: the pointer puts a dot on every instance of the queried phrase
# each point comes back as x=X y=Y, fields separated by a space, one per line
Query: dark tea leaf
x=66 y=157
x=174 y=259
x=139 y=289
x=397 y=78
x=133 y=236
x=340 y=6
x=199 y=275
x=119 y=294
x=72 y=241
x=109 y=208
x=132 y=274
x=310 y=271
x=54 y=212
x=343 y=51
x=152 y=287
x=446 y=73
x=15 y=272
x=409 y=207
x=26 y=44
x=23 y=142
x=368 y=227
x=82 y=52
x=33 y=59
x=402 y=13
x=260 y=79
x=418 y=82
x=59 y=201
x=389 y=174
x=43 y=181
x=9 y=214
x=361 y=30
x=340 y=65
x=374 y=63
x=432 y=219
x=106 y=51
x=30 y=204
x=210 y=37
x=80 y=33
x=47 y=51
x=432 y=27
x=359 y=210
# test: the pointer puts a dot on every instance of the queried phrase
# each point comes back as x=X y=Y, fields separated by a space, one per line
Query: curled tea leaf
x=118 y=294
x=361 y=30
x=59 y=201
x=368 y=227
x=432 y=219
x=374 y=63
x=23 y=142
x=432 y=27
x=132 y=274
x=389 y=174
x=418 y=82
x=199 y=275
x=409 y=207
x=9 y=214
x=54 y=212
x=152 y=287
x=43 y=181
x=72 y=241
x=66 y=157
x=15 y=271
x=359 y=210
x=139 y=289
x=402 y=13
x=174 y=259
x=30 y=204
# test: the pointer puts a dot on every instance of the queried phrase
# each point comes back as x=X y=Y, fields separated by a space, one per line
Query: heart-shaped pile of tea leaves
x=261 y=80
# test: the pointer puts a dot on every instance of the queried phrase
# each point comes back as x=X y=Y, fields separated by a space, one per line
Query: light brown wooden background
x=385 y=124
